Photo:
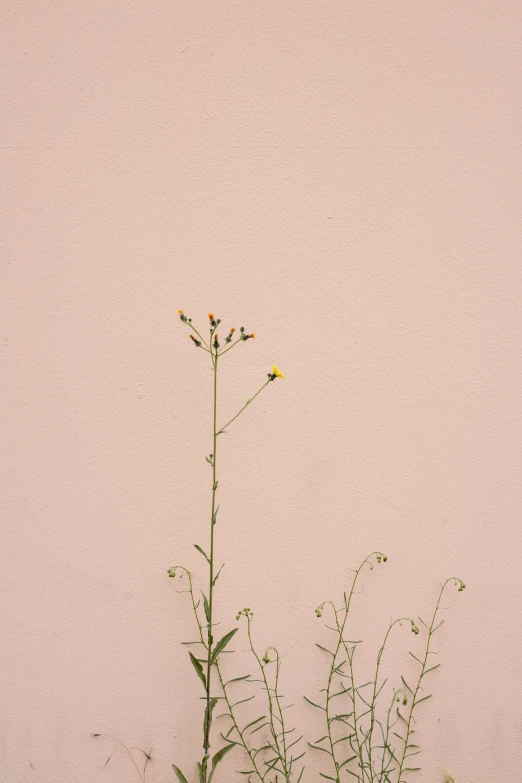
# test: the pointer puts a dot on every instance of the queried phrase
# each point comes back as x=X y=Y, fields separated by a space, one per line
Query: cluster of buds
x=184 y=317
x=381 y=558
x=213 y=321
x=460 y=585
x=319 y=610
x=246 y=612
x=402 y=697
x=266 y=658
x=244 y=335
x=229 y=336
x=414 y=628
x=173 y=572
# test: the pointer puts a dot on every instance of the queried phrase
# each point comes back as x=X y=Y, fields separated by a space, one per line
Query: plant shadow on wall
x=368 y=728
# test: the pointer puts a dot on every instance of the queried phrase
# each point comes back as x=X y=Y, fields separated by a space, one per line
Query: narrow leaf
x=206 y=606
x=220 y=646
x=199 y=669
x=431 y=669
x=218 y=757
x=347 y=761
x=253 y=723
x=406 y=684
x=202 y=552
x=314 y=704
x=317 y=747
x=237 y=679
x=325 y=650
x=179 y=774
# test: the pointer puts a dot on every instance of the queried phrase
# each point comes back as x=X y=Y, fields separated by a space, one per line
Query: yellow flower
x=211 y=316
x=253 y=334
x=277 y=372
x=180 y=312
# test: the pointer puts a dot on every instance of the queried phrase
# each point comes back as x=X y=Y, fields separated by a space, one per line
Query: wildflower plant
x=360 y=743
x=369 y=729
x=206 y=659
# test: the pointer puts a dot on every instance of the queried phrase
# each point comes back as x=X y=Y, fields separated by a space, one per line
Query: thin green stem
x=414 y=702
x=281 y=754
x=210 y=640
x=244 y=743
x=349 y=654
x=200 y=336
x=384 y=773
x=284 y=760
x=374 y=693
x=247 y=403
x=226 y=350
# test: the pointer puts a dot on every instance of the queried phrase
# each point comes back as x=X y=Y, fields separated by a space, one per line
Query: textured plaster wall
x=344 y=179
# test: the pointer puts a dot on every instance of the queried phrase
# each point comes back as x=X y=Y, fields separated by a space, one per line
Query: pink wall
x=343 y=178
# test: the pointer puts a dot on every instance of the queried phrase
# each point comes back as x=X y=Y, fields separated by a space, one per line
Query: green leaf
x=220 y=646
x=347 y=761
x=199 y=669
x=249 y=698
x=317 y=747
x=206 y=606
x=218 y=757
x=325 y=650
x=423 y=699
x=217 y=575
x=406 y=684
x=202 y=552
x=261 y=726
x=314 y=704
x=238 y=679
x=179 y=774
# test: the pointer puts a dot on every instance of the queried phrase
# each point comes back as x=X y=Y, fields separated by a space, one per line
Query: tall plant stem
x=210 y=640
x=415 y=693
x=341 y=642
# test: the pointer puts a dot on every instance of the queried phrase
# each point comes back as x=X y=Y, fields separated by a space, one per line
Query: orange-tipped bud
x=192 y=337
x=211 y=316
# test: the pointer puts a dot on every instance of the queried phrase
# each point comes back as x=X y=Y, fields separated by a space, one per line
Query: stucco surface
x=343 y=179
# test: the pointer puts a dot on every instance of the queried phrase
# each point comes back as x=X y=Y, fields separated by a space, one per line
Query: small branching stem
x=247 y=403
x=414 y=699
x=279 y=745
x=373 y=702
x=240 y=734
